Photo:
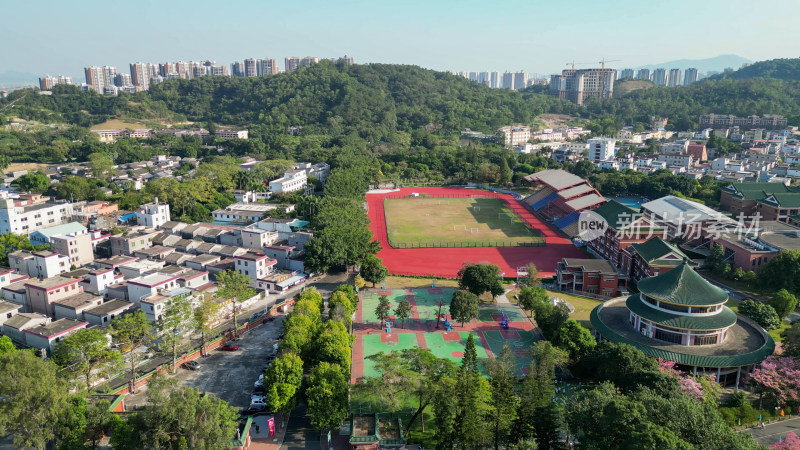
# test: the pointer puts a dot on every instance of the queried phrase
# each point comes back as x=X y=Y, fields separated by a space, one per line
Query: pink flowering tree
x=791 y=442
x=688 y=385
x=778 y=379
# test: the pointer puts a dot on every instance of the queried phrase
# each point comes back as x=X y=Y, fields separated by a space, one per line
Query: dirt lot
x=229 y=375
x=13 y=167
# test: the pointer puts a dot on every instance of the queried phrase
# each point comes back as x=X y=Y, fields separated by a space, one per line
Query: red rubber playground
x=445 y=262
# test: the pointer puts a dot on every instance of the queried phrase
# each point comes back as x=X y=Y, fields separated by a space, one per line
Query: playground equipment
x=446 y=323
x=504 y=321
x=388 y=327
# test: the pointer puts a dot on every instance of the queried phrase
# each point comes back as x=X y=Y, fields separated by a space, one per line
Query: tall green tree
x=781 y=272
x=131 y=331
x=464 y=306
x=173 y=323
x=575 y=339
x=235 y=287
x=761 y=313
x=382 y=309
x=33 y=398
x=282 y=381
x=326 y=396
x=783 y=302
x=402 y=311
x=539 y=418
x=6 y=345
x=504 y=401
x=333 y=344
x=472 y=400
x=34 y=182
x=480 y=278
x=86 y=354
x=204 y=317
x=183 y=417
x=790 y=343
x=373 y=270
x=530 y=297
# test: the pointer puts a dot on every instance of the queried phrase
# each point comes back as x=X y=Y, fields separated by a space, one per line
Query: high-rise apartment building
x=122 y=80
x=495 y=80
x=520 y=80
x=250 y=69
x=291 y=64
x=508 y=80
x=346 y=59
x=308 y=61
x=267 y=66
x=626 y=73
x=99 y=78
x=690 y=76
x=660 y=77
x=643 y=74
x=47 y=83
x=483 y=78
x=578 y=85
x=473 y=76
x=237 y=69
x=140 y=75
x=674 y=78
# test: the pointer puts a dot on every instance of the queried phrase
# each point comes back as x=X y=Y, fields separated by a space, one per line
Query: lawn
x=459 y=222
x=583 y=307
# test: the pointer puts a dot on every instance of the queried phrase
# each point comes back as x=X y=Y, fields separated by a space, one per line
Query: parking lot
x=229 y=374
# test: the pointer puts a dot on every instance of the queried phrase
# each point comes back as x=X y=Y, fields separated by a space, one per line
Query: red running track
x=446 y=262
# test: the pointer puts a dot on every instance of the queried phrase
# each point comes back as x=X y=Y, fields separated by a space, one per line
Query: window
x=705 y=340
x=668 y=336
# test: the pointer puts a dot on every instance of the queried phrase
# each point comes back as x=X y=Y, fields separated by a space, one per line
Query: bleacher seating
x=567 y=220
x=538 y=195
x=545 y=201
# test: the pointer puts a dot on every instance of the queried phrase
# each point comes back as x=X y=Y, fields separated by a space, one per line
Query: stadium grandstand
x=561 y=198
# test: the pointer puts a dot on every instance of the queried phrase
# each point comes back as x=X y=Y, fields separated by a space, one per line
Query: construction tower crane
x=604 y=61
x=573 y=63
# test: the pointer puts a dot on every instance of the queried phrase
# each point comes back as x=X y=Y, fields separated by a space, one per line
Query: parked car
x=191 y=365
x=258 y=390
x=259 y=382
x=258 y=405
x=229 y=348
x=256 y=398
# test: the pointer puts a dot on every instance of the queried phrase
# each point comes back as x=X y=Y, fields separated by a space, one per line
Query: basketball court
x=421 y=330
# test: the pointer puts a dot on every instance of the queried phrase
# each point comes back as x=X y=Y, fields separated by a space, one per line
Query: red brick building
x=698 y=151
x=588 y=276
x=626 y=226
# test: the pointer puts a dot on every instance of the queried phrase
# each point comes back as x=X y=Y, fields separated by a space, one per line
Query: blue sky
x=52 y=37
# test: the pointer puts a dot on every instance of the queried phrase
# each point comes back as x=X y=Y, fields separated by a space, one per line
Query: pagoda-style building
x=679 y=316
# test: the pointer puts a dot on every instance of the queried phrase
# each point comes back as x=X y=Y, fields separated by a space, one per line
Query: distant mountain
x=782 y=69
x=11 y=78
x=717 y=63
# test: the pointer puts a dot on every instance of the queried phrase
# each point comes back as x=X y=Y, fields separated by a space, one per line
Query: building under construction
x=577 y=85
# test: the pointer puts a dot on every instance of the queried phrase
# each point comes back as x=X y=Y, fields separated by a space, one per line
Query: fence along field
x=436 y=222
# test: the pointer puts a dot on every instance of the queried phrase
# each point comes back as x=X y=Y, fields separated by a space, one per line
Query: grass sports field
x=463 y=222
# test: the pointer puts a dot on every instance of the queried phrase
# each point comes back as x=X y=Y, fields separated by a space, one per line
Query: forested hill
x=684 y=104
x=373 y=99
x=782 y=69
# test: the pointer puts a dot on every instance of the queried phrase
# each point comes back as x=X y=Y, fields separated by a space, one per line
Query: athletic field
x=456 y=222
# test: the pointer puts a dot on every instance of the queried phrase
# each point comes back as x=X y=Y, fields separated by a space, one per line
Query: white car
x=256 y=398
x=258 y=404
x=259 y=382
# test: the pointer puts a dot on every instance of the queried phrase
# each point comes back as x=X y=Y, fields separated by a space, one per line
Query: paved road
x=769 y=435
x=299 y=434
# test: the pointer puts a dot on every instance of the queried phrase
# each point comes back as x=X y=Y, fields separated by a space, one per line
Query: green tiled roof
x=656 y=248
x=723 y=319
x=755 y=191
x=614 y=211
x=682 y=286
x=784 y=200
x=742 y=359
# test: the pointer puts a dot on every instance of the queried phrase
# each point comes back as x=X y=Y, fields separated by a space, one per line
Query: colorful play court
x=421 y=329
